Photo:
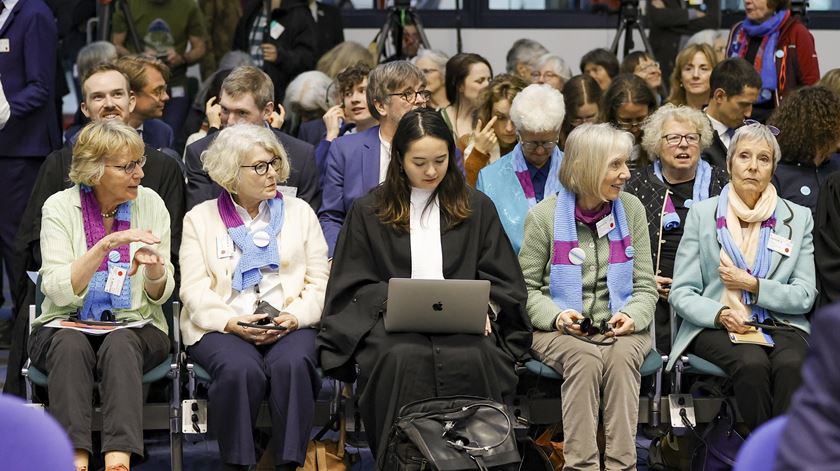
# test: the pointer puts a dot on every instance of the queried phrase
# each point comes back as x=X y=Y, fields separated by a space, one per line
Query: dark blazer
x=716 y=153
x=158 y=134
x=811 y=438
x=296 y=46
x=304 y=174
x=668 y=25
x=29 y=70
x=330 y=27
x=312 y=131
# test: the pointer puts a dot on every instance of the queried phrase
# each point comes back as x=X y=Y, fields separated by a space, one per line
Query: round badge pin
x=780 y=54
x=687 y=203
x=261 y=239
x=630 y=251
x=114 y=256
x=805 y=190
x=577 y=256
x=766 y=94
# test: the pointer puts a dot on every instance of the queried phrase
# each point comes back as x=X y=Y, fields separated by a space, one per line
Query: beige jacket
x=206 y=278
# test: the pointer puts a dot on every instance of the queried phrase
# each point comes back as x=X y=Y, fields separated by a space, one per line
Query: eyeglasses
x=628 y=125
x=130 y=167
x=578 y=121
x=532 y=146
x=773 y=129
x=674 y=140
x=410 y=96
x=261 y=168
x=157 y=93
x=429 y=71
x=545 y=76
x=649 y=67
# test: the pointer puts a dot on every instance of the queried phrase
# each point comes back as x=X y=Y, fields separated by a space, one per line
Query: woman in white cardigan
x=254 y=256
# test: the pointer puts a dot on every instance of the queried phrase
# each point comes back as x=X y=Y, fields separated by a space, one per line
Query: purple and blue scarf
x=566 y=279
x=97 y=300
x=700 y=192
x=763 y=255
x=552 y=183
x=247 y=273
x=765 y=62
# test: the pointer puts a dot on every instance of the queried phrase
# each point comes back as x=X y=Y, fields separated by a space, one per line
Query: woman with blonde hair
x=690 y=84
x=343 y=56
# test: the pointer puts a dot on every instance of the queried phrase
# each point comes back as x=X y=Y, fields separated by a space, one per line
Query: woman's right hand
x=251 y=334
x=485 y=138
x=663 y=286
x=120 y=238
x=213 y=111
x=569 y=318
x=332 y=119
x=734 y=321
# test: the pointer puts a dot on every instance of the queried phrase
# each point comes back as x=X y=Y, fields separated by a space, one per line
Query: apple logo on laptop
x=438 y=306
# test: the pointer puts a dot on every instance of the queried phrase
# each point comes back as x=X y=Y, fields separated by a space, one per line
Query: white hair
x=308 y=92
x=754 y=132
x=523 y=50
x=652 y=129
x=706 y=36
x=437 y=57
x=538 y=108
x=558 y=65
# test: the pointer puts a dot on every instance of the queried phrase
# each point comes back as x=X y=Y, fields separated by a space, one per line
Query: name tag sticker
x=116 y=279
x=224 y=246
x=605 y=225
x=275 y=30
x=287 y=191
x=179 y=92
x=780 y=244
x=4 y=45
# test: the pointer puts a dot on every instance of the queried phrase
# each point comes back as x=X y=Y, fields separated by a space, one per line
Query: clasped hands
x=261 y=336
x=621 y=323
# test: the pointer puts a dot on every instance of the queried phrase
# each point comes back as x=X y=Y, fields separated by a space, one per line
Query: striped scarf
x=565 y=285
x=97 y=300
x=700 y=192
x=552 y=183
x=765 y=58
x=763 y=255
x=247 y=273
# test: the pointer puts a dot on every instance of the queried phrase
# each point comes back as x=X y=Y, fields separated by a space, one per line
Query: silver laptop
x=437 y=306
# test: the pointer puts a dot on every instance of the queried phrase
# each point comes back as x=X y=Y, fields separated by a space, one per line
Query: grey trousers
x=596 y=377
x=74 y=361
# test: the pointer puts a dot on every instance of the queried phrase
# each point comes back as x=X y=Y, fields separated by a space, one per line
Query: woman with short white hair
x=674 y=136
x=527 y=174
x=433 y=64
x=253 y=276
x=591 y=294
x=306 y=98
x=551 y=69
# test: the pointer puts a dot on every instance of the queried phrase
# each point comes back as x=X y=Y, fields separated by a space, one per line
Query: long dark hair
x=578 y=91
x=393 y=197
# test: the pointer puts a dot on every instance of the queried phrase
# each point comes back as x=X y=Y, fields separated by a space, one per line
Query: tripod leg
x=132 y=29
x=621 y=29
x=422 y=32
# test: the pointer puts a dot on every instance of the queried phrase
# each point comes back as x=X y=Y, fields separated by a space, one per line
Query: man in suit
x=247 y=96
x=28 y=48
x=330 y=27
x=148 y=77
x=735 y=84
x=106 y=96
x=357 y=163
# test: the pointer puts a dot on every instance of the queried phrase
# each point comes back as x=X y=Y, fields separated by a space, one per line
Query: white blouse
x=426 y=251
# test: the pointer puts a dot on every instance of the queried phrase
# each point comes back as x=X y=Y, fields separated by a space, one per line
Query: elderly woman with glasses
x=746 y=261
x=433 y=65
x=253 y=276
x=526 y=175
x=552 y=70
x=105 y=250
x=626 y=105
x=591 y=294
x=675 y=136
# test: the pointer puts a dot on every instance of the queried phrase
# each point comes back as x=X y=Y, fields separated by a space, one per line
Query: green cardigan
x=538 y=250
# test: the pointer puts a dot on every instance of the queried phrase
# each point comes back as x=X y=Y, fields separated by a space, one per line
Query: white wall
x=571 y=44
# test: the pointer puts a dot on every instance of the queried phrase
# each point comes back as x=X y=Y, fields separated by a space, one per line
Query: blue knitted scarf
x=97 y=300
x=702 y=180
x=763 y=255
x=566 y=279
x=247 y=273
x=765 y=58
x=552 y=183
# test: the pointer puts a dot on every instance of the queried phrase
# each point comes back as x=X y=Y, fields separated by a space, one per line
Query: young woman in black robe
x=375 y=245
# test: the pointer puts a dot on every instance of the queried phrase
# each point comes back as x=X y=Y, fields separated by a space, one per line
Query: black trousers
x=764 y=378
x=73 y=362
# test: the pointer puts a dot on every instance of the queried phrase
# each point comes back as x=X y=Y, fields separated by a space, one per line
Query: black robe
x=827 y=242
x=395 y=369
x=161 y=173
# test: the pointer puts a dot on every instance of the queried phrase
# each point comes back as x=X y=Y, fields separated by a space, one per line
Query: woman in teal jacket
x=747 y=256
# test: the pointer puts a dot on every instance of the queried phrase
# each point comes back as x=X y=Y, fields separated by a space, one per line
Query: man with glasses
x=529 y=173
x=106 y=95
x=148 y=77
x=357 y=163
x=247 y=97
x=735 y=85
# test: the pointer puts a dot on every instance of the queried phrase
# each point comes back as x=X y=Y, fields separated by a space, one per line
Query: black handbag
x=720 y=442
x=456 y=433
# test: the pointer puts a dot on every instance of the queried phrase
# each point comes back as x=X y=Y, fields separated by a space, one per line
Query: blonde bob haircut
x=97 y=141
x=754 y=132
x=222 y=160
x=652 y=131
x=589 y=150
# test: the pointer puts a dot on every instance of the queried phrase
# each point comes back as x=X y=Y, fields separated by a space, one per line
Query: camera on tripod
x=628 y=22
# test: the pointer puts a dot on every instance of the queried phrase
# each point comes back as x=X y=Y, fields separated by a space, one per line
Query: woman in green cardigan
x=591 y=294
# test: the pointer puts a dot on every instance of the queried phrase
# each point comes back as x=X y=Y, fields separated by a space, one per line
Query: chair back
x=759 y=451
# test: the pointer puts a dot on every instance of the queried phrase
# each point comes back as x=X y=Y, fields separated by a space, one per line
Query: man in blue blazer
x=247 y=97
x=28 y=47
x=357 y=163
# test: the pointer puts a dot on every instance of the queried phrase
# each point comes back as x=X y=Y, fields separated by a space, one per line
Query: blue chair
x=759 y=451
